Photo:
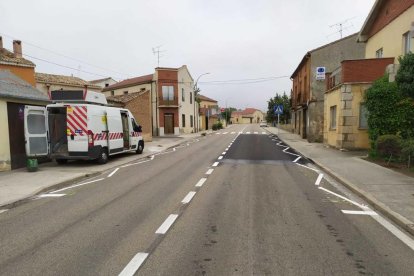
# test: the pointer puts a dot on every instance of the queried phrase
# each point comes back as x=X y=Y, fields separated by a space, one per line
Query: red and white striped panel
x=77 y=120
x=135 y=134
x=100 y=136
x=115 y=135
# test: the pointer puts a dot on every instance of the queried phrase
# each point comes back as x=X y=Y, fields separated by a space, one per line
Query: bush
x=217 y=126
x=389 y=145
x=407 y=151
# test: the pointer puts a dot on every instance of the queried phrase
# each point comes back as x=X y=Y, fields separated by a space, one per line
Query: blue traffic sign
x=278 y=109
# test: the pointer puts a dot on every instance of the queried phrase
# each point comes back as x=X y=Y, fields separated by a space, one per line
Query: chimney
x=17 y=48
x=1 y=42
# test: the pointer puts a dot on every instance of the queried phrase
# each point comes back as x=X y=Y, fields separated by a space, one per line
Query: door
x=125 y=128
x=35 y=131
x=15 y=116
x=169 y=123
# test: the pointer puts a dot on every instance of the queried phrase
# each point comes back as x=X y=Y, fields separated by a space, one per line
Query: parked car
x=263 y=124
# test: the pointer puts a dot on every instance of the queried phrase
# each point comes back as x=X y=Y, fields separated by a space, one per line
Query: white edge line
x=201 y=182
x=344 y=198
x=318 y=181
x=112 y=173
x=166 y=224
x=285 y=149
x=77 y=185
x=134 y=264
x=132 y=164
x=353 y=212
x=215 y=164
x=50 y=195
x=188 y=197
x=209 y=171
x=297 y=159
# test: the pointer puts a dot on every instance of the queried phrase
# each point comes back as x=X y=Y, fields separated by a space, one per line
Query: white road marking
x=112 y=173
x=256 y=132
x=77 y=185
x=220 y=157
x=134 y=264
x=174 y=149
x=353 y=212
x=318 y=181
x=285 y=149
x=3 y=210
x=233 y=132
x=201 y=182
x=51 y=195
x=152 y=157
x=132 y=164
x=218 y=133
x=240 y=132
x=188 y=144
x=224 y=152
x=315 y=170
x=248 y=132
x=188 y=197
x=215 y=164
x=342 y=197
x=296 y=160
x=225 y=132
x=210 y=171
x=263 y=132
x=166 y=224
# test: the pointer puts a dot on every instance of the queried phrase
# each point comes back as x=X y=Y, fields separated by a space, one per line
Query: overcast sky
x=249 y=40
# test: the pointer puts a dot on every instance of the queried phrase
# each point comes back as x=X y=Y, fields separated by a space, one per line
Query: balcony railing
x=167 y=102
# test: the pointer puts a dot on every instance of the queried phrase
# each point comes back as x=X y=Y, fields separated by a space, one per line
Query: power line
x=68 y=57
x=244 y=81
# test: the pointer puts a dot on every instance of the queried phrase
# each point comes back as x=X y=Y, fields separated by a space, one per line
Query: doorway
x=15 y=116
x=169 y=123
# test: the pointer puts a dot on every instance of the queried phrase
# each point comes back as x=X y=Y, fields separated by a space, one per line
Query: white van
x=75 y=130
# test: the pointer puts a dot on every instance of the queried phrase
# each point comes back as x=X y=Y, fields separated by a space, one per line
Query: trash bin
x=32 y=165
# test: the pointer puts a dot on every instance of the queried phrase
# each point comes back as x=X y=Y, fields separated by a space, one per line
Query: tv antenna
x=342 y=26
x=156 y=51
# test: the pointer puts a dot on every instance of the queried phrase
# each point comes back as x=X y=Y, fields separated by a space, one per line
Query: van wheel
x=103 y=157
x=140 y=148
x=61 y=161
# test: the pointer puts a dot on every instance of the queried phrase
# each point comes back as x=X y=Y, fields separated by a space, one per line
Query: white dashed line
x=256 y=132
x=248 y=132
x=210 y=171
x=112 y=173
x=215 y=164
x=77 y=185
x=188 y=197
x=224 y=152
x=50 y=195
x=132 y=164
x=166 y=224
x=318 y=181
x=220 y=157
x=233 y=132
x=353 y=212
x=201 y=182
x=134 y=264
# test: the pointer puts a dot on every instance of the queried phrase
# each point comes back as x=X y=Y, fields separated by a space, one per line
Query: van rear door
x=36 y=131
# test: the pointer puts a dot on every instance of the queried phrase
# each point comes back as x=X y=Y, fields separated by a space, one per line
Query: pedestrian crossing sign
x=278 y=109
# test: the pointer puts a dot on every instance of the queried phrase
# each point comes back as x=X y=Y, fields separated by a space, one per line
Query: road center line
x=318 y=181
x=215 y=164
x=188 y=197
x=112 y=173
x=166 y=224
x=201 y=182
x=210 y=171
x=353 y=212
x=224 y=152
x=77 y=185
x=342 y=197
x=134 y=264
x=220 y=157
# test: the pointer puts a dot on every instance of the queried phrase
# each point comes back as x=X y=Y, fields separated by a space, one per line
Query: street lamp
x=196 y=90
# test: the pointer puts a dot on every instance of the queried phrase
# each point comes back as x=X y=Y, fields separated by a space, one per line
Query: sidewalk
x=18 y=185
x=389 y=192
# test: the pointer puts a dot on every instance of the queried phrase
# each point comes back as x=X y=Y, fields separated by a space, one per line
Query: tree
x=405 y=75
x=226 y=114
x=283 y=100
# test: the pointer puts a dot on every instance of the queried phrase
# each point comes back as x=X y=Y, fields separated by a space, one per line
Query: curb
x=400 y=220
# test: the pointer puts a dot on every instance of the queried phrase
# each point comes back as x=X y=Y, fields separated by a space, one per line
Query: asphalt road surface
x=235 y=203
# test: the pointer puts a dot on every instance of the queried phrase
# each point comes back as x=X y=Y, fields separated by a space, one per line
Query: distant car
x=263 y=124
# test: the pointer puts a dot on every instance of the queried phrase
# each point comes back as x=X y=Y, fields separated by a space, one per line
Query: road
x=235 y=203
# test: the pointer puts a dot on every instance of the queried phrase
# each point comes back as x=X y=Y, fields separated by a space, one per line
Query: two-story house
x=308 y=84
x=173 y=106
x=105 y=82
x=208 y=112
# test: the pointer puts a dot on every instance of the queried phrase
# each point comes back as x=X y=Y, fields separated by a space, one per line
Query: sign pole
x=278 y=119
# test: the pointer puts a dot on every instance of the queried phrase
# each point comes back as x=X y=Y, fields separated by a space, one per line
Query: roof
x=100 y=80
x=7 y=57
x=378 y=10
x=308 y=54
x=249 y=111
x=63 y=80
x=125 y=98
x=12 y=86
x=129 y=82
x=204 y=98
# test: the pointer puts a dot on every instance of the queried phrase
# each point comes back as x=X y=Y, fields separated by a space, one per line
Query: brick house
x=345 y=124
x=173 y=107
x=308 y=87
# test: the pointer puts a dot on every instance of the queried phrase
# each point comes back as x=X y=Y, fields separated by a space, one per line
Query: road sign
x=278 y=109
x=320 y=73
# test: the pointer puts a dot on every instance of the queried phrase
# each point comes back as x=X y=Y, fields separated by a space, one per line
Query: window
x=125 y=92
x=168 y=93
x=191 y=121
x=379 y=53
x=191 y=97
x=106 y=84
x=363 y=116
x=183 y=119
x=406 y=43
x=333 y=117
x=182 y=95
x=112 y=93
